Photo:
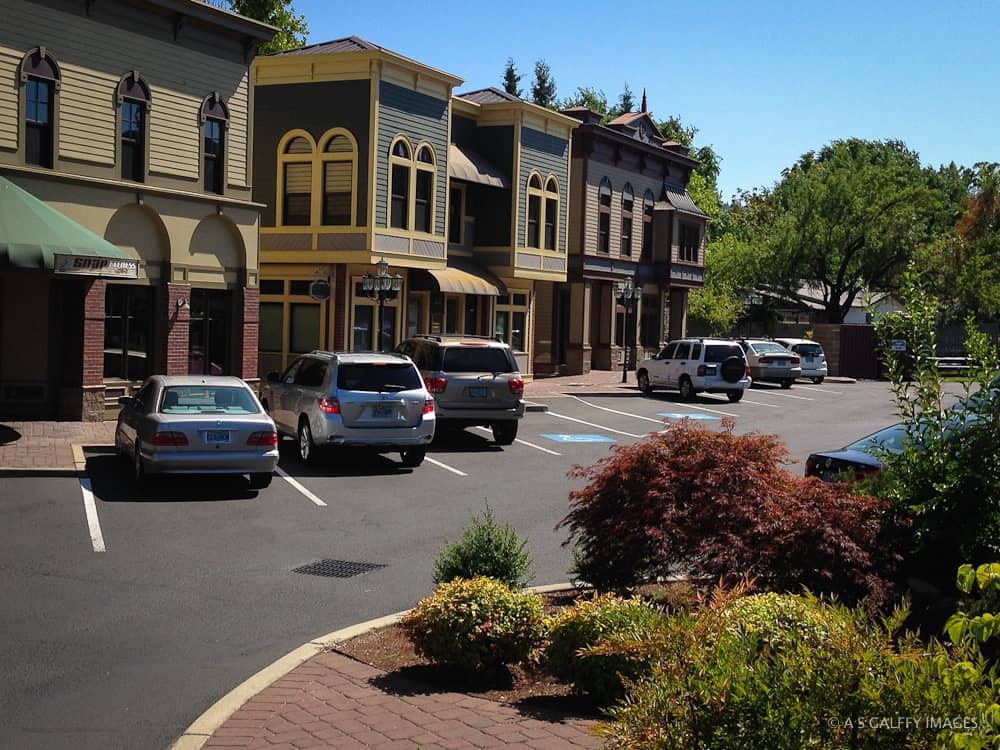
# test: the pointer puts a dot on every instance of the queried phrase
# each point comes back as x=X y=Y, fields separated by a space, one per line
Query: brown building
x=364 y=154
x=124 y=135
x=631 y=220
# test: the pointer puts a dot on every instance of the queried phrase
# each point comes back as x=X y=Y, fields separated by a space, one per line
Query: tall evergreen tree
x=511 y=79
x=292 y=28
x=543 y=90
x=626 y=102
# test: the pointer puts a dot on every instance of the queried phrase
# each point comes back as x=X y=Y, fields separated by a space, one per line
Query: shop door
x=209 y=347
x=128 y=332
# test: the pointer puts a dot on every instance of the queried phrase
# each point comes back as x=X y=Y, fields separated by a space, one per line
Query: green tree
x=511 y=79
x=543 y=90
x=292 y=28
x=593 y=99
x=625 y=103
x=847 y=218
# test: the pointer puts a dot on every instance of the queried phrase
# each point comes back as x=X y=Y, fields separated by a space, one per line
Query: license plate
x=807 y=359
x=479 y=391
x=382 y=412
x=217 y=436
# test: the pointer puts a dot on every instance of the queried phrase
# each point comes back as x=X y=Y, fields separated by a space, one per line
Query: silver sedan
x=197 y=424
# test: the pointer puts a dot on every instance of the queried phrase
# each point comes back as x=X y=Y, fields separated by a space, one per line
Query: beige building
x=124 y=143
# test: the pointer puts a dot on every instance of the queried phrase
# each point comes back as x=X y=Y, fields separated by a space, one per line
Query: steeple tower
x=643 y=107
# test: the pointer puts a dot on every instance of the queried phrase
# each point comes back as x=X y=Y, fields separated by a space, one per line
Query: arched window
x=339 y=157
x=647 y=226
x=534 y=210
x=133 y=106
x=295 y=170
x=214 y=123
x=40 y=76
x=400 y=163
x=551 y=213
x=604 y=216
x=628 y=202
x=423 y=203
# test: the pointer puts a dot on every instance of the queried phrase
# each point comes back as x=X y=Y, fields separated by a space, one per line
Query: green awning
x=32 y=232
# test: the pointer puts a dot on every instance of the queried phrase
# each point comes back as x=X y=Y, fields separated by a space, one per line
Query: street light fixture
x=625 y=294
x=380 y=286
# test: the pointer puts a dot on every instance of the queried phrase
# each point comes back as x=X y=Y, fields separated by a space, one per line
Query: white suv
x=693 y=365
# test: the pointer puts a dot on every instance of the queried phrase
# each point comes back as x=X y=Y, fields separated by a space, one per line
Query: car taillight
x=701 y=371
x=862 y=473
x=169 y=437
x=764 y=360
x=516 y=385
x=810 y=466
x=436 y=385
x=747 y=373
x=329 y=406
x=795 y=360
x=263 y=439
x=429 y=406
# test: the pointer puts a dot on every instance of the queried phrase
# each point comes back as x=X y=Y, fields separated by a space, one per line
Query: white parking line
x=90 y=507
x=525 y=442
x=591 y=424
x=650 y=419
x=299 y=487
x=775 y=392
x=760 y=403
x=445 y=466
x=821 y=390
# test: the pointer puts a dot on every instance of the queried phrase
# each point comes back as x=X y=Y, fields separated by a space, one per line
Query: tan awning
x=461 y=282
x=465 y=164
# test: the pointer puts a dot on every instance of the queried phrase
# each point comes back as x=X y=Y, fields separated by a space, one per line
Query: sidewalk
x=47 y=447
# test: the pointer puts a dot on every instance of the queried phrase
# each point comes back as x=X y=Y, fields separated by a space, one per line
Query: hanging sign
x=90 y=265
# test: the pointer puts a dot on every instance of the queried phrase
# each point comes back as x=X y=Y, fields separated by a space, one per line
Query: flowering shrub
x=477 y=623
x=573 y=631
x=720 y=506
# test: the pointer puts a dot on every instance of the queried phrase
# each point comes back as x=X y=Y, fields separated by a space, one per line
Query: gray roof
x=680 y=201
x=347 y=44
x=489 y=96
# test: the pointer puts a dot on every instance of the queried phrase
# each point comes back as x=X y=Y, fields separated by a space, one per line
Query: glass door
x=209 y=337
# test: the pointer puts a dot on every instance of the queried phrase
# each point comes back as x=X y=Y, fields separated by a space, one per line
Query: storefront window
x=210 y=333
x=512 y=319
x=362 y=338
x=128 y=332
x=305 y=328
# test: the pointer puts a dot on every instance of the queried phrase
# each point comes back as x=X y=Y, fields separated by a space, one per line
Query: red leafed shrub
x=720 y=506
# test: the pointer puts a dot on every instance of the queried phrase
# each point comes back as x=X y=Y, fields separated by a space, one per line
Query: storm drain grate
x=336 y=568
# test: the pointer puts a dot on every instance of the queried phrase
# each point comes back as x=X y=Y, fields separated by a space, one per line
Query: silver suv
x=474 y=381
x=359 y=399
x=693 y=365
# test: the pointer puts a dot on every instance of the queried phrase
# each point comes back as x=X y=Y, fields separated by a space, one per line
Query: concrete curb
x=79 y=464
x=202 y=728
x=532 y=406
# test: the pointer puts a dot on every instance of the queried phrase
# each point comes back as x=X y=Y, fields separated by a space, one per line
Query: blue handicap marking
x=578 y=438
x=671 y=415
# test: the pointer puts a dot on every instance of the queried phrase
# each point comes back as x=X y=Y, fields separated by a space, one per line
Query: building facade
x=362 y=154
x=633 y=221
x=131 y=123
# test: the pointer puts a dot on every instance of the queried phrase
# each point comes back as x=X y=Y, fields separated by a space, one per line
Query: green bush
x=486 y=548
x=790 y=672
x=477 y=624
x=588 y=624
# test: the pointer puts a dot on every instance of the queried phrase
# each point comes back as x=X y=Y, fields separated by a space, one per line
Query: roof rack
x=441 y=336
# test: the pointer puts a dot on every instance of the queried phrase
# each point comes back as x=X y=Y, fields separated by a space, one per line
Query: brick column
x=177 y=322
x=247 y=355
x=92 y=391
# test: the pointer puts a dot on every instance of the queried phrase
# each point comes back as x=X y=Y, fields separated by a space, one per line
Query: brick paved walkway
x=48 y=445
x=332 y=701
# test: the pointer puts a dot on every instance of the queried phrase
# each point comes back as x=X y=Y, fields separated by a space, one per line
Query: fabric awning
x=462 y=282
x=465 y=164
x=32 y=232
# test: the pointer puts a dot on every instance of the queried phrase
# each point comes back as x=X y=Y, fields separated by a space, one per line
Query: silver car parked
x=813 y=357
x=194 y=424
x=769 y=360
x=353 y=399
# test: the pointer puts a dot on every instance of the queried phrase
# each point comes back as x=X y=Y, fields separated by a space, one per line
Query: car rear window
x=762 y=347
x=808 y=350
x=476 y=359
x=205 y=399
x=378 y=376
x=722 y=352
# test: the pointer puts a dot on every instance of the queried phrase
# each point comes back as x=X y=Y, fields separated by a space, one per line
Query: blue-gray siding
x=419 y=117
x=548 y=154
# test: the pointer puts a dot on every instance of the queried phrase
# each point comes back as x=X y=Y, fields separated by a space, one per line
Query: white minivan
x=812 y=356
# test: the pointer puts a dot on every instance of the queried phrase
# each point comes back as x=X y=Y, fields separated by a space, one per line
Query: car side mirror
x=273 y=377
x=125 y=400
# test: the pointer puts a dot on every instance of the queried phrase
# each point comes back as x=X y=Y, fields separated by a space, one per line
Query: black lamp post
x=625 y=293
x=380 y=286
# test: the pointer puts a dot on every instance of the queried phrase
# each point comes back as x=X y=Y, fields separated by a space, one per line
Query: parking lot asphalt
x=127 y=614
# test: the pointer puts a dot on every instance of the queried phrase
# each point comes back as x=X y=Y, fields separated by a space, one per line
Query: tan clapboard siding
x=93 y=57
x=9 y=60
x=174 y=130
x=87 y=115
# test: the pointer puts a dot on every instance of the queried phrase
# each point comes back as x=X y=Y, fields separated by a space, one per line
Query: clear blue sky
x=764 y=82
